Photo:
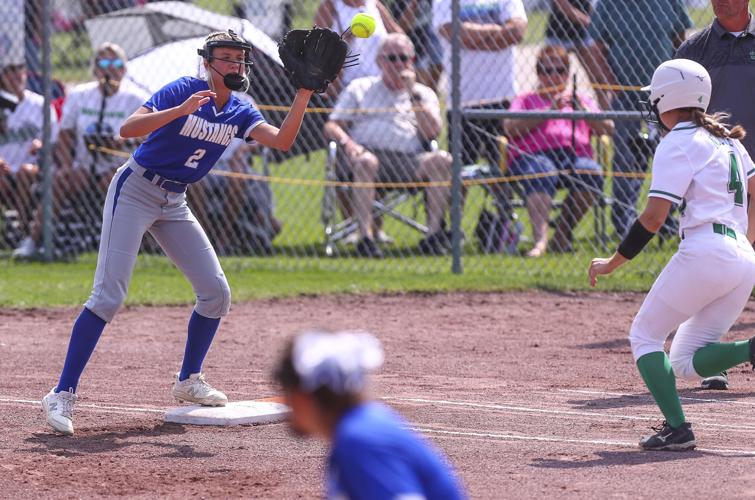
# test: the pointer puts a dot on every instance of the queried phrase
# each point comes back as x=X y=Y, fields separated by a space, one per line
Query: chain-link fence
x=374 y=178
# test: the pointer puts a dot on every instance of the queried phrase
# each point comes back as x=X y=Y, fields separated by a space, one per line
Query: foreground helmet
x=678 y=83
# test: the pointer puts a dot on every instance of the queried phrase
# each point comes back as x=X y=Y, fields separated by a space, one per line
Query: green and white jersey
x=706 y=175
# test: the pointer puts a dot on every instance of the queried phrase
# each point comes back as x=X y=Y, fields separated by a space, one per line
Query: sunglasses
x=398 y=57
x=545 y=70
x=106 y=63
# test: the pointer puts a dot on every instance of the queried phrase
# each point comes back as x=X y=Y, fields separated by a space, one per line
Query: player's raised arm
x=312 y=58
x=144 y=121
x=283 y=138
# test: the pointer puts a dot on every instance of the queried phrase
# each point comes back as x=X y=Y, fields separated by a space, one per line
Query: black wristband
x=635 y=241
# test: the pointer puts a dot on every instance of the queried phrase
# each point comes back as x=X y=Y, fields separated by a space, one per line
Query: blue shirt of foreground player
x=374 y=456
x=186 y=149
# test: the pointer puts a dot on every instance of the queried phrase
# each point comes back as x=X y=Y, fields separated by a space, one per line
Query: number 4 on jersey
x=735 y=181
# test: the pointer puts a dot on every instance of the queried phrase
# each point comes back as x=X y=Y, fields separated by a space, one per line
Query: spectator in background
x=388 y=146
x=489 y=32
x=372 y=452
x=21 y=118
x=236 y=212
x=726 y=48
x=555 y=146
x=636 y=37
x=566 y=27
x=415 y=17
x=33 y=43
x=337 y=15
x=92 y=115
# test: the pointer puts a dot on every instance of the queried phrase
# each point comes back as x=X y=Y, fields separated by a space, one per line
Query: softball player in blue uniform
x=189 y=122
x=701 y=165
x=373 y=455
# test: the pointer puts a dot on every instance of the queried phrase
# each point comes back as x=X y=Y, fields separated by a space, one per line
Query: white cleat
x=196 y=390
x=58 y=408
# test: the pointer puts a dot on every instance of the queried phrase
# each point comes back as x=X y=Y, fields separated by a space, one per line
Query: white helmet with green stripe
x=679 y=83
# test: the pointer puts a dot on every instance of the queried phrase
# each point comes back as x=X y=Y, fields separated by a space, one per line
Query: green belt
x=725 y=230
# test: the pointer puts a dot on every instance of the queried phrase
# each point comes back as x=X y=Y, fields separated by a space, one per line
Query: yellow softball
x=362 y=25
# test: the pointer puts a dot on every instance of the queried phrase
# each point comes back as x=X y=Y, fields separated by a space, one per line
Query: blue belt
x=162 y=182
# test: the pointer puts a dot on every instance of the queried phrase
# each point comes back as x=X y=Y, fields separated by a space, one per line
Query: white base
x=235 y=413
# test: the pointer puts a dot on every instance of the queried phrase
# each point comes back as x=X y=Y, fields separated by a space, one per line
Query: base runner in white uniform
x=702 y=166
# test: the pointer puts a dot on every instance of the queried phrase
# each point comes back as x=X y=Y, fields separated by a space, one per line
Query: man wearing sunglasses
x=382 y=125
x=92 y=114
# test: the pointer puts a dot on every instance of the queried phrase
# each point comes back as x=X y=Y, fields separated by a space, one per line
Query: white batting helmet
x=679 y=83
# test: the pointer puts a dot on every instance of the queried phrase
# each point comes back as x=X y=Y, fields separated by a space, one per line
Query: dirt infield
x=530 y=395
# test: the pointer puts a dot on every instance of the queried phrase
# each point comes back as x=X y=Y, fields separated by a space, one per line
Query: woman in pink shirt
x=554 y=146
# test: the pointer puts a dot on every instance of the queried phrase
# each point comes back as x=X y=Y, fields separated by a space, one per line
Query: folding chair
x=509 y=196
x=499 y=231
x=387 y=202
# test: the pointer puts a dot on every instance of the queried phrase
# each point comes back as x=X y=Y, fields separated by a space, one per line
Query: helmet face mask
x=233 y=81
x=650 y=113
x=677 y=84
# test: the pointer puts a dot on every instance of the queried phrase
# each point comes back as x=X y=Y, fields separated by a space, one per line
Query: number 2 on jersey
x=193 y=160
x=735 y=181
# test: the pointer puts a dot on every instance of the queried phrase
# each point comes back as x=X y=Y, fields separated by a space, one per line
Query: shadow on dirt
x=622 y=343
x=625 y=457
x=99 y=440
x=688 y=397
x=743 y=327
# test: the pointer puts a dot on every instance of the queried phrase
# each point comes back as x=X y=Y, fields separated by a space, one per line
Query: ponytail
x=715 y=124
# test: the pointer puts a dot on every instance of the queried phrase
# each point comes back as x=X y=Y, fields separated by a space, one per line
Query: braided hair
x=716 y=125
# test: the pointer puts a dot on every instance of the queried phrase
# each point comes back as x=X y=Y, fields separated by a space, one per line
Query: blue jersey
x=185 y=149
x=374 y=456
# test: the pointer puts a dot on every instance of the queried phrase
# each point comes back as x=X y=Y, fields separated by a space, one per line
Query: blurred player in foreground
x=701 y=165
x=373 y=455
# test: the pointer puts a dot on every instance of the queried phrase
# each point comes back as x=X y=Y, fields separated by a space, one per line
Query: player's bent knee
x=215 y=303
x=682 y=357
x=683 y=366
x=105 y=307
x=642 y=343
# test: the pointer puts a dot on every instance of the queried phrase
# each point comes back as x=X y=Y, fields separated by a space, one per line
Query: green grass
x=157 y=281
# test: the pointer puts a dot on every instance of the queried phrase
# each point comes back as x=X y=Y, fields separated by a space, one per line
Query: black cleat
x=437 y=243
x=718 y=382
x=669 y=438
x=366 y=247
x=752 y=352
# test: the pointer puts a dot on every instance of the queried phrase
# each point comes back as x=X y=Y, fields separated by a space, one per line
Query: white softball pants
x=134 y=206
x=700 y=293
